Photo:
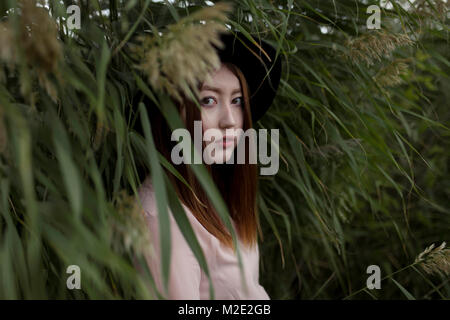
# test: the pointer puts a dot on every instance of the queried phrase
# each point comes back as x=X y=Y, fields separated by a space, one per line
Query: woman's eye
x=207 y=101
x=237 y=100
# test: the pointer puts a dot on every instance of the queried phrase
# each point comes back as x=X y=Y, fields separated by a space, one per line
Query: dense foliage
x=364 y=143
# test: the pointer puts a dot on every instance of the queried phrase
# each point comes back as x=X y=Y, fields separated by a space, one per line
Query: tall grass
x=364 y=145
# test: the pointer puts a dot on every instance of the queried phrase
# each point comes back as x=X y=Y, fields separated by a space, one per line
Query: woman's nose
x=227 y=118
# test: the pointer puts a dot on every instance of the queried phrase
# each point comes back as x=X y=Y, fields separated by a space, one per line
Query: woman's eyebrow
x=218 y=89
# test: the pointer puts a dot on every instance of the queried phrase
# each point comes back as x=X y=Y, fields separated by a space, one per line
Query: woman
x=236 y=95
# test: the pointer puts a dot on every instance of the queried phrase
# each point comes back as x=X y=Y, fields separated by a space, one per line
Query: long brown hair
x=237 y=183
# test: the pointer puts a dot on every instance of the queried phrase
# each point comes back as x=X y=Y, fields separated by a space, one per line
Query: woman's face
x=222 y=108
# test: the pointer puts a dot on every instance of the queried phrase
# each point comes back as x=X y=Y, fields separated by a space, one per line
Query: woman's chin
x=221 y=158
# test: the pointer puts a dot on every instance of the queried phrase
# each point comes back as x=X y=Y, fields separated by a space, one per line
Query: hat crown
x=258 y=63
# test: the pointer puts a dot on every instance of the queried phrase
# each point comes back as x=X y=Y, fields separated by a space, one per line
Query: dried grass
x=372 y=47
x=129 y=228
x=432 y=9
x=36 y=35
x=181 y=58
x=435 y=260
x=391 y=75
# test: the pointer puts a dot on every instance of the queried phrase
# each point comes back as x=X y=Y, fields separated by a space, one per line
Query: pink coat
x=186 y=279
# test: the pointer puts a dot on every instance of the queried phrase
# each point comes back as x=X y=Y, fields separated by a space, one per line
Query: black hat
x=260 y=68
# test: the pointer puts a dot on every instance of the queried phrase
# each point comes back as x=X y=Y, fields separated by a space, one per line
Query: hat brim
x=259 y=66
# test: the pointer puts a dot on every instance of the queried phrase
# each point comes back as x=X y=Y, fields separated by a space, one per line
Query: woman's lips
x=228 y=142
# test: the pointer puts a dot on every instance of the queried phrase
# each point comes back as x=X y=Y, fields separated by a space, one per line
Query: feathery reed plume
x=435 y=260
x=184 y=55
x=129 y=229
x=7 y=47
x=33 y=42
x=372 y=47
x=39 y=36
x=432 y=9
x=390 y=76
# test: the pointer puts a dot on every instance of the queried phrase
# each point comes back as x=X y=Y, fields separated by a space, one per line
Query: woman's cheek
x=240 y=117
x=207 y=120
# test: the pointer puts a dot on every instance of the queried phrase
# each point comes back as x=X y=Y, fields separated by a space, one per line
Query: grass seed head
x=435 y=260
x=178 y=60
